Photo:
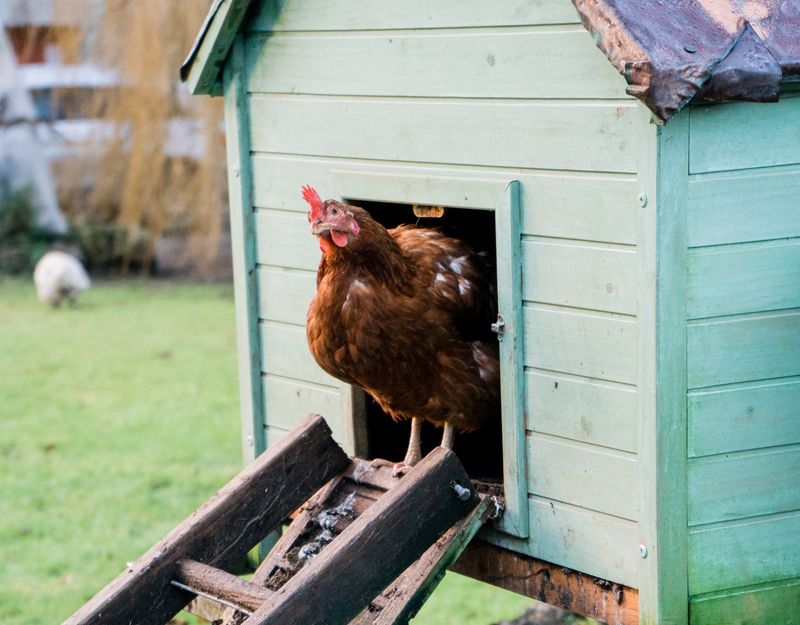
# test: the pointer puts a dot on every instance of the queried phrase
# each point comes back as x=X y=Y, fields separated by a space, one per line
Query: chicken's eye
x=334 y=211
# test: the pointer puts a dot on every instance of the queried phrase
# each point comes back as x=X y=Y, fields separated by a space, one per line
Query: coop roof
x=202 y=67
x=669 y=52
x=709 y=50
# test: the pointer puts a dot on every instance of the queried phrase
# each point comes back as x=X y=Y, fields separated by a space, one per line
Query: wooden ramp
x=366 y=548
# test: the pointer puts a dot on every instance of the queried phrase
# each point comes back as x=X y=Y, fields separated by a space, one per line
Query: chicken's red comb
x=311 y=196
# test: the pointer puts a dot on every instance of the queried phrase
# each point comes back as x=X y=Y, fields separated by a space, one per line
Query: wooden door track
x=365 y=549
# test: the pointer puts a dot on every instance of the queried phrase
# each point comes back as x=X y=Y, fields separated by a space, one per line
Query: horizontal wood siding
x=737 y=207
x=291 y=400
x=547 y=134
x=743 y=359
x=603 y=545
x=752 y=483
x=448 y=97
x=592 y=277
x=591 y=477
x=556 y=64
x=283 y=239
x=590 y=345
x=284 y=294
x=582 y=409
x=744 y=416
x=744 y=553
x=744 y=135
x=333 y=15
x=741 y=349
x=735 y=279
x=774 y=603
x=555 y=202
x=286 y=354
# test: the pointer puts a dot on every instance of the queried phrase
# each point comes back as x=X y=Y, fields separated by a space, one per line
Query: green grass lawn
x=117 y=419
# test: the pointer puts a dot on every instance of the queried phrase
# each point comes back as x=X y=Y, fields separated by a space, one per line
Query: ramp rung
x=220 y=586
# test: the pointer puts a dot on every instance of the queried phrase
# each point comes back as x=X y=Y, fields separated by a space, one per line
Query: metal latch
x=499 y=327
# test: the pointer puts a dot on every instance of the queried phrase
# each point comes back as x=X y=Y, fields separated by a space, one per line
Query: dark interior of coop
x=481 y=451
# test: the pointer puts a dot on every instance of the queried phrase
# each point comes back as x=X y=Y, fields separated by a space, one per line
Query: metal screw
x=642 y=551
x=235 y=172
x=462 y=493
x=249 y=440
x=642 y=200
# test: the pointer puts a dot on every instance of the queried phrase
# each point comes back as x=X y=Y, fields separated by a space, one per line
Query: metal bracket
x=499 y=327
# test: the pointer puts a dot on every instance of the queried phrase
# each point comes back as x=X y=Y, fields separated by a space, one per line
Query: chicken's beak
x=318 y=226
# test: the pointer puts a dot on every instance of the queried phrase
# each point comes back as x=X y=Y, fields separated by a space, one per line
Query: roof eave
x=202 y=69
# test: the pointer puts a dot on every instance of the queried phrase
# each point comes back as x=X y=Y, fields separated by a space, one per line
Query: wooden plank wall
x=461 y=90
x=743 y=357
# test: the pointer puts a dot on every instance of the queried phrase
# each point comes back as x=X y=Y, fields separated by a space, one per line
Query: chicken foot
x=413 y=454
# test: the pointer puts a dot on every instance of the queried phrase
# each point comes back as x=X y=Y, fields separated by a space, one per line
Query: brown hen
x=405 y=314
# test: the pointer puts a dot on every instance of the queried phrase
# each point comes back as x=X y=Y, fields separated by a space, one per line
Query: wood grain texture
x=747 y=416
x=745 y=484
x=580 y=343
x=223 y=529
x=557 y=63
x=554 y=202
x=410 y=591
x=775 y=603
x=243 y=240
x=737 y=207
x=742 y=553
x=580 y=276
x=565 y=588
x=547 y=134
x=734 y=279
x=582 y=409
x=394 y=531
x=312 y=15
x=740 y=349
x=284 y=294
x=286 y=354
x=583 y=475
x=769 y=136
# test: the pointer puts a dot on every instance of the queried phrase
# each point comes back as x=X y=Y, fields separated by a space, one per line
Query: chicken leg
x=449 y=436
x=413 y=453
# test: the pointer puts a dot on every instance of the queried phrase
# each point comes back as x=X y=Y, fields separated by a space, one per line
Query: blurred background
x=102 y=150
x=119 y=415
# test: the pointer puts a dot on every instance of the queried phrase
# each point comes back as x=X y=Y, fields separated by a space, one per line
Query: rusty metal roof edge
x=667 y=70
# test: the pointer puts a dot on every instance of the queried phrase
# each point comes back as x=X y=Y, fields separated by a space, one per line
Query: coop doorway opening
x=481 y=451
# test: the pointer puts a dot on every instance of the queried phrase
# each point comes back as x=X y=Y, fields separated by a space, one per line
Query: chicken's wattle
x=340 y=238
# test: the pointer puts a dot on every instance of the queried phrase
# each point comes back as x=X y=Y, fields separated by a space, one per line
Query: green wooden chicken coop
x=648 y=272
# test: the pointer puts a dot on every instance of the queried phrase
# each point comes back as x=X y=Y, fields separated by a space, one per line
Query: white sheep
x=59 y=275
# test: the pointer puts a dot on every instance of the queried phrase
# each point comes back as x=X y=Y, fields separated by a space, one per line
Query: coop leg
x=449 y=436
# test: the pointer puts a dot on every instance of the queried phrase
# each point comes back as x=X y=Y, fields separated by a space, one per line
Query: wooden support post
x=223 y=529
x=368 y=555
